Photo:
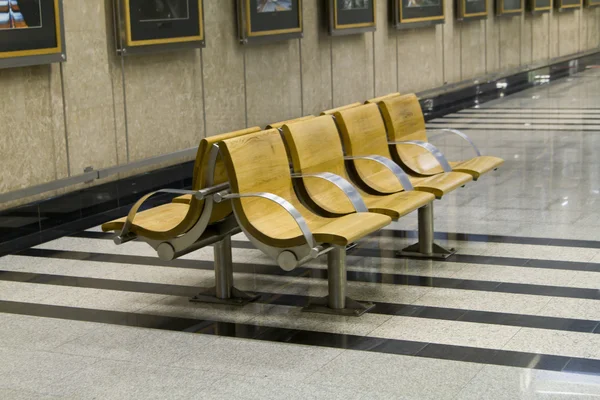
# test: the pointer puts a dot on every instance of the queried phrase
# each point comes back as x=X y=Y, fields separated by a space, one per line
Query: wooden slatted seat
x=363 y=133
x=174 y=219
x=334 y=110
x=315 y=148
x=404 y=121
x=274 y=219
x=265 y=169
x=379 y=99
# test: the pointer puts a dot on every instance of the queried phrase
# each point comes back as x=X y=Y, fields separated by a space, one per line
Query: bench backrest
x=221 y=210
x=379 y=99
x=363 y=133
x=315 y=147
x=278 y=125
x=334 y=110
x=404 y=121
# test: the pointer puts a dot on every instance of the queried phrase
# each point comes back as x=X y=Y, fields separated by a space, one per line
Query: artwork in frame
x=567 y=4
x=509 y=7
x=269 y=20
x=156 y=25
x=471 y=9
x=592 y=3
x=31 y=32
x=415 y=13
x=352 y=16
x=539 y=6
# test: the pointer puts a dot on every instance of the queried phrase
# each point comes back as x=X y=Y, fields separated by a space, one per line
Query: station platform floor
x=515 y=314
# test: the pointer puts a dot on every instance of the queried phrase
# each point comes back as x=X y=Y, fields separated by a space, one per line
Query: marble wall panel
x=223 y=70
x=553 y=34
x=540 y=30
x=273 y=87
x=492 y=40
x=472 y=44
x=526 y=38
x=316 y=60
x=386 y=57
x=568 y=22
x=352 y=60
x=510 y=42
x=451 y=32
x=420 y=63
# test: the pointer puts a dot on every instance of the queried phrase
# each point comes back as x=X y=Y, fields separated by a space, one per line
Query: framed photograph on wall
x=348 y=17
x=471 y=9
x=416 y=13
x=31 y=32
x=539 y=6
x=592 y=3
x=509 y=7
x=567 y=4
x=269 y=20
x=144 y=26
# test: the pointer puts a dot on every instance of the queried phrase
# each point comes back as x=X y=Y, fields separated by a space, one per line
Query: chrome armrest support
x=349 y=190
x=389 y=164
x=286 y=205
x=432 y=149
x=458 y=133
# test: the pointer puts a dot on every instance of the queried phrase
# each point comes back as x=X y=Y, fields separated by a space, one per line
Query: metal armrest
x=125 y=235
x=458 y=133
x=389 y=164
x=432 y=149
x=286 y=205
x=349 y=190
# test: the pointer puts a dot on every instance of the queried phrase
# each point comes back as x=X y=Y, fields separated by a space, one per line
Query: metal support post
x=224 y=292
x=336 y=302
x=426 y=248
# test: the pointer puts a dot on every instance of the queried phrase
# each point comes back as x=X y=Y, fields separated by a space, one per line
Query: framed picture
x=509 y=7
x=156 y=25
x=269 y=20
x=471 y=9
x=415 y=13
x=352 y=16
x=31 y=32
x=539 y=6
x=567 y=4
x=592 y=3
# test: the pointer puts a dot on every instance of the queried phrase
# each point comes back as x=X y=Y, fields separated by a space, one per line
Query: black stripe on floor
x=296 y=336
x=463 y=237
x=516 y=129
x=481 y=121
x=381 y=308
x=514 y=116
x=317 y=273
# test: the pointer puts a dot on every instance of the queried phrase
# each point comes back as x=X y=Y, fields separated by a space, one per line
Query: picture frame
x=31 y=33
x=592 y=3
x=539 y=6
x=347 y=17
x=471 y=9
x=261 y=21
x=509 y=8
x=146 y=27
x=410 y=14
x=562 y=5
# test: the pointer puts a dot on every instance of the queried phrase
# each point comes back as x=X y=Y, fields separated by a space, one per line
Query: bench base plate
x=353 y=308
x=238 y=297
x=438 y=253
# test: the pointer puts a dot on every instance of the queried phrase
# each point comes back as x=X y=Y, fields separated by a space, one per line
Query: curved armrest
x=432 y=149
x=349 y=190
x=458 y=133
x=286 y=205
x=389 y=164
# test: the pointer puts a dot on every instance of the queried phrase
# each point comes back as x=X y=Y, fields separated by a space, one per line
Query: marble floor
x=515 y=314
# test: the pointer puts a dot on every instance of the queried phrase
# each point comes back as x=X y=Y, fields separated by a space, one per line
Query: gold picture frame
x=360 y=27
x=463 y=14
x=251 y=33
x=401 y=21
x=500 y=11
x=561 y=6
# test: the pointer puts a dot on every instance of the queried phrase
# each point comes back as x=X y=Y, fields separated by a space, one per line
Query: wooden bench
x=278 y=125
x=275 y=221
x=180 y=227
x=318 y=159
x=363 y=134
x=379 y=99
x=334 y=110
x=410 y=146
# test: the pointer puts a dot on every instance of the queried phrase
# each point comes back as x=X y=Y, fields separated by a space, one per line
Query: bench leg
x=426 y=248
x=336 y=302
x=224 y=292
